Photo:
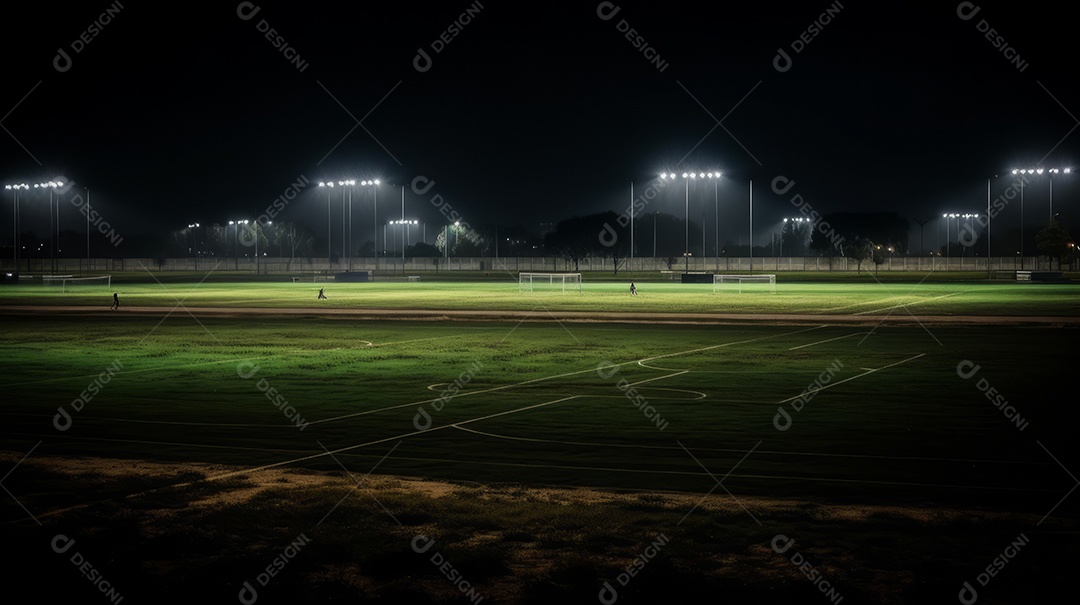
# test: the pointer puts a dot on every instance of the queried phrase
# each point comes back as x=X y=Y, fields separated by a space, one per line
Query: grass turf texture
x=899 y=484
x=534 y=407
x=808 y=297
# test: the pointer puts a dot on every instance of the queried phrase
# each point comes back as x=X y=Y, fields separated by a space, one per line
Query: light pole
x=87 y=228
x=374 y=184
x=346 y=218
x=329 y=186
x=784 y=226
x=194 y=244
x=54 y=251
x=236 y=236
x=15 y=219
x=687 y=177
x=404 y=223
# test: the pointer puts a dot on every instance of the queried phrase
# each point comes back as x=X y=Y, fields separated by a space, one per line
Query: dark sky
x=534 y=112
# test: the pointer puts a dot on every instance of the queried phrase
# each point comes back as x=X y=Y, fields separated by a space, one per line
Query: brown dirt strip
x=898 y=317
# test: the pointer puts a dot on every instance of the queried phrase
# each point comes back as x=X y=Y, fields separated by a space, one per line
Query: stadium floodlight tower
x=687 y=177
x=1029 y=172
x=405 y=223
x=194 y=244
x=52 y=186
x=957 y=216
x=346 y=217
x=374 y=184
x=329 y=185
x=794 y=221
x=14 y=189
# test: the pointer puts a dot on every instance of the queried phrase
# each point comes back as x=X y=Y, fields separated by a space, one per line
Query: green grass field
x=684 y=420
x=859 y=297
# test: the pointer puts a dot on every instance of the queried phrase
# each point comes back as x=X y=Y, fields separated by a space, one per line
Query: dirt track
x=895 y=317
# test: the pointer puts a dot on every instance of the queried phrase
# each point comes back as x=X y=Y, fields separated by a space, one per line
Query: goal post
x=68 y=282
x=549 y=282
x=740 y=283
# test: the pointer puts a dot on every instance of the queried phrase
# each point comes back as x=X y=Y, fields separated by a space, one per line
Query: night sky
x=532 y=113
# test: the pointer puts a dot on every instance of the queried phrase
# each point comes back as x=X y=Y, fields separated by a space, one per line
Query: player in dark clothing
x=321 y=295
x=633 y=289
x=115 y=302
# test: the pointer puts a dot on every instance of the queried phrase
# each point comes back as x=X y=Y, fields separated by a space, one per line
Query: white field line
x=867 y=373
x=563 y=375
x=911 y=304
x=826 y=340
x=383 y=440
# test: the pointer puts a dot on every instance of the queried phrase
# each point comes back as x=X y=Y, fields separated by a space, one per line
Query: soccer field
x=828 y=298
x=576 y=442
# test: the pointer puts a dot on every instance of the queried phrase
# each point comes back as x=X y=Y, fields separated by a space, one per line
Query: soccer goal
x=69 y=282
x=549 y=282
x=741 y=283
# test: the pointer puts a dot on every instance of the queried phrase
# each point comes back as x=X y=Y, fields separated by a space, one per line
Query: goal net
x=741 y=283
x=549 y=282
x=69 y=282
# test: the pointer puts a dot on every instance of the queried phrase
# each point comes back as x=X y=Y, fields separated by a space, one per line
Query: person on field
x=321 y=295
x=115 y=302
x=633 y=289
